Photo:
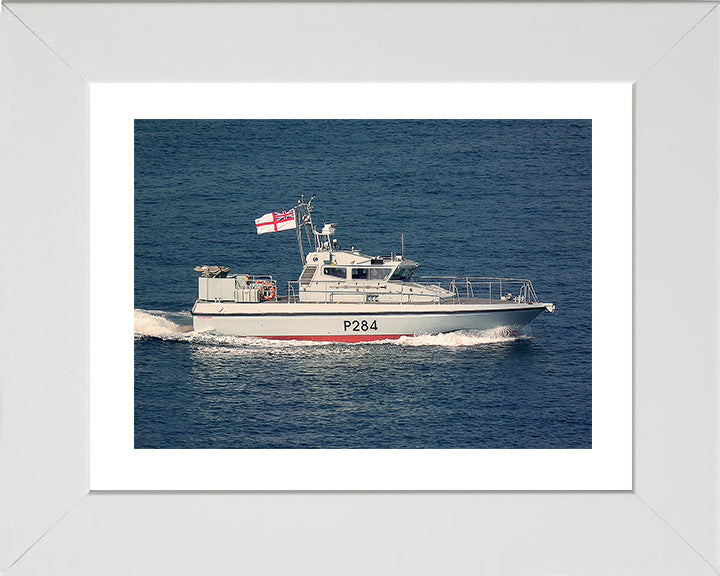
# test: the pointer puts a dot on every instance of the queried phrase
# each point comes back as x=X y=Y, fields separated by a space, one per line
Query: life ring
x=267 y=290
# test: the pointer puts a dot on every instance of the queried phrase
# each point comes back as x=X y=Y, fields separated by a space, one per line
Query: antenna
x=402 y=246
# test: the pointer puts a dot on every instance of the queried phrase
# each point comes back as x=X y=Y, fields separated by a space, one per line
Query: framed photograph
x=68 y=355
x=505 y=136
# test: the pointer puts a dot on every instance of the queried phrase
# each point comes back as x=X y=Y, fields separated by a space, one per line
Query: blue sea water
x=505 y=198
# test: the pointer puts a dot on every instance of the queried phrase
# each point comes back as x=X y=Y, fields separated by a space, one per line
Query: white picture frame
x=115 y=463
x=668 y=523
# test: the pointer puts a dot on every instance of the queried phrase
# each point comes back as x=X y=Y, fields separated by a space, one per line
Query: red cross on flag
x=275 y=222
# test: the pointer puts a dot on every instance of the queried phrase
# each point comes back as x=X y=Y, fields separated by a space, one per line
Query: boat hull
x=355 y=322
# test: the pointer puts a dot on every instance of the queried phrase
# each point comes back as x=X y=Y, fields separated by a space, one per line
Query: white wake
x=463 y=338
x=157 y=324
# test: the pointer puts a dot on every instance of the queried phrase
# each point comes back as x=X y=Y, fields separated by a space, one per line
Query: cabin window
x=337 y=272
x=402 y=273
x=377 y=273
x=370 y=273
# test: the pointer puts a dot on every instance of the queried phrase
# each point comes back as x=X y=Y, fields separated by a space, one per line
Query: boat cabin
x=334 y=275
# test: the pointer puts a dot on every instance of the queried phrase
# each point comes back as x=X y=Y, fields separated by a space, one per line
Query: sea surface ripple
x=505 y=198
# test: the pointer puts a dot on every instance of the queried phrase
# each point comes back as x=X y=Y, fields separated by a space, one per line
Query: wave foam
x=463 y=338
x=156 y=324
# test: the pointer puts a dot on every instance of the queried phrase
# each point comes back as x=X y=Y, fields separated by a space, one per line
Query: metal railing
x=491 y=290
x=487 y=288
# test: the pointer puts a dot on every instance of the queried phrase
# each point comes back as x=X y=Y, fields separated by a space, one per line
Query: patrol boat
x=347 y=296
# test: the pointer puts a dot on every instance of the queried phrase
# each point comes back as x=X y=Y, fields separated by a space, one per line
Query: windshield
x=403 y=273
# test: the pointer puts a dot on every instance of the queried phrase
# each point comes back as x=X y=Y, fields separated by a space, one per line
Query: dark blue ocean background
x=473 y=197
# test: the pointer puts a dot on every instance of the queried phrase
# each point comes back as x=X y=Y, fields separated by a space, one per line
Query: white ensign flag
x=275 y=222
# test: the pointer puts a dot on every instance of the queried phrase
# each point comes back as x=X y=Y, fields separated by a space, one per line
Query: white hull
x=356 y=322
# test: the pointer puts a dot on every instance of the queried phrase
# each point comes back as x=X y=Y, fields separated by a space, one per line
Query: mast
x=299 y=238
x=303 y=217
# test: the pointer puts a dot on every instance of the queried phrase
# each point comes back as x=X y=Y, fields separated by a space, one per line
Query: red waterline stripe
x=340 y=337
